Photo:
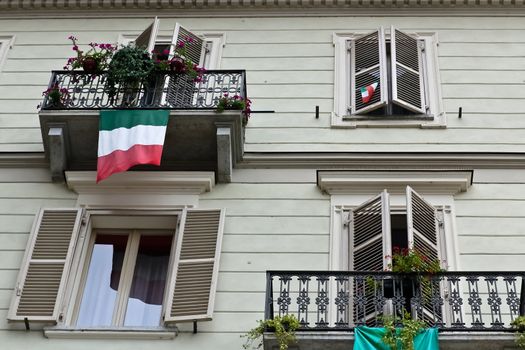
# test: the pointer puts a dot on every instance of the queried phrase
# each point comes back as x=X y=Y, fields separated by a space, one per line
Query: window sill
x=421 y=121
x=111 y=333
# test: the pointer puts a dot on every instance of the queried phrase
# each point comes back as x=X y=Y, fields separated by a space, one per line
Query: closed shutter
x=192 y=287
x=368 y=67
x=147 y=38
x=370 y=235
x=46 y=264
x=180 y=87
x=407 y=75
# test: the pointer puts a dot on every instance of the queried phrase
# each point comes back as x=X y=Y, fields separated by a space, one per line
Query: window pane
x=100 y=292
x=149 y=279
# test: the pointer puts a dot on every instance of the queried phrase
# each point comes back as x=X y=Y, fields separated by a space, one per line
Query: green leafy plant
x=93 y=60
x=403 y=336
x=284 y=328
x=519 y=324
x=235 y=102
x=129 y=67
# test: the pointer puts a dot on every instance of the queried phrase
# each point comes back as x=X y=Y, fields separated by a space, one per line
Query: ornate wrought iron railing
x=163 y=90
x=459 y=301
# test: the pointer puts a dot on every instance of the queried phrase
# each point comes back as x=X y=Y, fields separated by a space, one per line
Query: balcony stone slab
x=196 y=140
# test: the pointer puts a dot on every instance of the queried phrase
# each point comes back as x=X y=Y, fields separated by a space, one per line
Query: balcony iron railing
x=163 y=90
x=340 y=300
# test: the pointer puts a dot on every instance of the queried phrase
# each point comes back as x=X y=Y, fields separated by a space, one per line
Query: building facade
x=373 y=125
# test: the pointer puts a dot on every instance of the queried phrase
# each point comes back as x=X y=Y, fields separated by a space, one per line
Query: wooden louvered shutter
x=46 y=264
x=196 y=268
x=407 y=74
x=368 y=66
x=147 y=38
x=370 y=235
x=422 y=225
x=181 y=88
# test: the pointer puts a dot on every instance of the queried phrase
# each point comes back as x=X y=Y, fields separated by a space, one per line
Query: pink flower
x=166 y=52
x=180 y=44
x=189 y=39
x=75 y=48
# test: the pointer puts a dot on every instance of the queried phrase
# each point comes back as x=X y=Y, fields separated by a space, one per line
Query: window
x=117 y=269
x=374 y=229
x=384 y=79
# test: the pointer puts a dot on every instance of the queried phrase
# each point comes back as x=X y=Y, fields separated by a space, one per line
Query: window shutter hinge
x=422 y=45
x=348 y=46
x=18 y=290
x=347 y=222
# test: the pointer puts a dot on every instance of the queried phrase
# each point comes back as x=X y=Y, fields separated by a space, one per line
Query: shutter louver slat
x=407 y=77
x=368 y=66
x=47 y=258
x=196 y=266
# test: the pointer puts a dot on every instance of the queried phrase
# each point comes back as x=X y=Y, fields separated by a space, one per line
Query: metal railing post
x=268 y=309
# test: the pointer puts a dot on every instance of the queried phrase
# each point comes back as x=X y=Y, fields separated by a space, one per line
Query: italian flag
x=367 y=92
x=129 y=137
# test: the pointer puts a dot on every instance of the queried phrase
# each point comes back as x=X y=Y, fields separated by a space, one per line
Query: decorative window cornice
x=366 y=182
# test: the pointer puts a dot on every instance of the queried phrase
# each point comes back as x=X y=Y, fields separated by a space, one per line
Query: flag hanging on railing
x=129 y=137
x=370 y=338
x=367 y=92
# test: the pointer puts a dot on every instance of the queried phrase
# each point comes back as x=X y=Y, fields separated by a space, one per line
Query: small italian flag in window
x=367 y=92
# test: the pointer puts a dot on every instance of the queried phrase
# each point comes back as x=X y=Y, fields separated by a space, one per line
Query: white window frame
x=83 y=252
x=6 y=43
x=342 y=94
x=215 y=42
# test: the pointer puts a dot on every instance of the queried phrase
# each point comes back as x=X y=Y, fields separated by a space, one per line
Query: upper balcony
x=197 y=137
x=472 y=310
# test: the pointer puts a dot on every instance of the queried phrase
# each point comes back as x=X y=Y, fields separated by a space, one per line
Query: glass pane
x=149 y=279
x=100 y=292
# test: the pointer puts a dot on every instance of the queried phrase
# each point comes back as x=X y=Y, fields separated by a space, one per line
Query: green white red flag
x=367 y=92
x=129 y=137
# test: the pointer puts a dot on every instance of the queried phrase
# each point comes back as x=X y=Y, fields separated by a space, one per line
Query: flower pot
x=90 y=65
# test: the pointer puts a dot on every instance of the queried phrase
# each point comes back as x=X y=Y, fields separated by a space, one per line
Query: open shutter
x=147 y=38
x=193 y=283
x=423 y=236
x=45 y=266
x=422 y=225
x=368 y=67
x=370 y=235
x=407 y=74
x=180 y=88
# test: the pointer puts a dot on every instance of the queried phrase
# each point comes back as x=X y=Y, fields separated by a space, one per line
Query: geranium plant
x=411 y=260
x=57 y=96
x=181 y=64
x=95 y=59
x=235 y=102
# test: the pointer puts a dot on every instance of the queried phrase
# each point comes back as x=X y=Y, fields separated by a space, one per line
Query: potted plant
x=235 y=102
x=92 y=61
x=284 y=328
x=402 y=338
x=519 y=325
x=129 y=68
x=56 y=97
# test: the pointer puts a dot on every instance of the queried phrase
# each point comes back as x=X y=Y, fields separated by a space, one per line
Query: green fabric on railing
x=368 y=338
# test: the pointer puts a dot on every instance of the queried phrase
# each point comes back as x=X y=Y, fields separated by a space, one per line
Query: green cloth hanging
x=369 y=338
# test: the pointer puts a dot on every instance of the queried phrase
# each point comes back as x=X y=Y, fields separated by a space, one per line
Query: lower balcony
x=198 y=138
x=472 y=310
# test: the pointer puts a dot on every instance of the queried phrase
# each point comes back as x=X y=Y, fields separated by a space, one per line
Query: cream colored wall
x=290 y=70
x=276 y=219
